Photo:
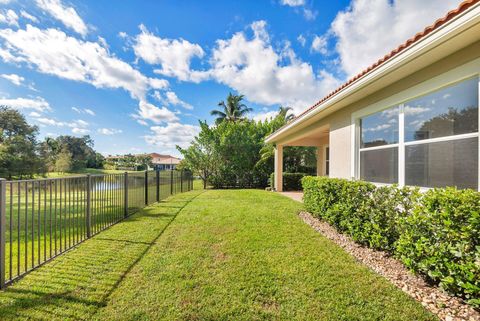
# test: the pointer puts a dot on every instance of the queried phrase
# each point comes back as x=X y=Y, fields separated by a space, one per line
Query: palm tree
x=233 y=110
x=283 y=113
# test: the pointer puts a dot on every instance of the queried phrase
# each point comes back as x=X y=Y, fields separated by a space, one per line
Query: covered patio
x=311 y=137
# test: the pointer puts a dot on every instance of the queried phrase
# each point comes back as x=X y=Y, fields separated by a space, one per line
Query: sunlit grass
x=46 y=217
x=209 y=255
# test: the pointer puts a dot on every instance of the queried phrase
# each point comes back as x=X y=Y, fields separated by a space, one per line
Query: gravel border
x=434 y=299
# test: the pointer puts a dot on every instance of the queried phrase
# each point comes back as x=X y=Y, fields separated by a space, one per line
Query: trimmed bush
x=367 y=213
x=436 y=234
x=291 y=181
x=441 y=239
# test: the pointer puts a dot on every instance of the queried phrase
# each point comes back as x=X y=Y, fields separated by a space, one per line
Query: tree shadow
x=78 y=283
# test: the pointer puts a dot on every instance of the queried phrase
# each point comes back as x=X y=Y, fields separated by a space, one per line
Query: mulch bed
x=432 y=298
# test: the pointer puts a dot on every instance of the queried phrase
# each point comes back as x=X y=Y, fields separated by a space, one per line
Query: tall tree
x=81 y=149
x=18 y=145
x=283 y=112
x=233 y=110
x=201 y=157
x=64 y=161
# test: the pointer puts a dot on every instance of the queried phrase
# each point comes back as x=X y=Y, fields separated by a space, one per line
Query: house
x=411 y=118
x=164 y=162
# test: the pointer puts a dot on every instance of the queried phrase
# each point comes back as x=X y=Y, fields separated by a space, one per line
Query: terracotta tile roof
x=464 y=6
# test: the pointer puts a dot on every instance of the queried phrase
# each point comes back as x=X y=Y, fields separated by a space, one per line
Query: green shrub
x=359 y=209
x=441 y=239
x=436 y=234
x=291 y=181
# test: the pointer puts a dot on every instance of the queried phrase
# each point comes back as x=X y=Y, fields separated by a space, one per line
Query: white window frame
x=324 y=170
x=467 y=71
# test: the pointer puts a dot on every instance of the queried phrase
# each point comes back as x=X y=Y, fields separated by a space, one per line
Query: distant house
x=164 y=162
x=138 y=162
x=410 y=119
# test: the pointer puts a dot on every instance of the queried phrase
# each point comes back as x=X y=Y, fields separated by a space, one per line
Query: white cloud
x=377 y=128
x=13 y=78
x=34 y=114
x=9 y=17
x=309 y=14
x=252 y=67
x=55 y=53
x=367 y=29
x=83 y=111
x=78 y=126
x=409 y=110
x=67 y=15
x=173 y=56
x=319 y=45
x=171 y=98
x=265 y=115
x=172 y=134
x=155 y=114
x=38 y=103
x=80 y=131
x=293 y=3
x=89 y=111
x=302 y=40
x=28 y=16
x=109 y=131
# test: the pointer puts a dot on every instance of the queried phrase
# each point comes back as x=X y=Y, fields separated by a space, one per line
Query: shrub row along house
x=409 y=119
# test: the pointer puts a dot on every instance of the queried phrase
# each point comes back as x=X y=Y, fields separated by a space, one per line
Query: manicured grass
x=81 y=172
x=214 y=255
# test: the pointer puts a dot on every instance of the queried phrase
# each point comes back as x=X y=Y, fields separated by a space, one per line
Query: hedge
x=436 y=234
x=291 y=181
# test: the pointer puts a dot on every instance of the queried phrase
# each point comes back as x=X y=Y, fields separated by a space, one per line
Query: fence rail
x=42 y=218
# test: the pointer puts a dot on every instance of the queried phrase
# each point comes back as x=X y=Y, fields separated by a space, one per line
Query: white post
x=278 y=168
x=320 y=162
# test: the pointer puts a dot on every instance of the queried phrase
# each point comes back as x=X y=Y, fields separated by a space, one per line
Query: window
x=446 y=112
x=379 y=165
x=379 y=146
x=429 y=141
x=449 y=163
x=380 y=128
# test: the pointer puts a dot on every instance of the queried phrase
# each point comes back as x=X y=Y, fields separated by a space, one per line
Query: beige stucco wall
x=339 y=122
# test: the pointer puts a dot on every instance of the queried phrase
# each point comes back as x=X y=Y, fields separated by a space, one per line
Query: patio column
x=278 y=168
x=320 y=161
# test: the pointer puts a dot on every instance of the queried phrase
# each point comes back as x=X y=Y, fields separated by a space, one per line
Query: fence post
x=171 y=182
x=146 y=187
x=181 y=181
x=158 y=185
x=3 y=227
x=125 y=196
x=88 y=213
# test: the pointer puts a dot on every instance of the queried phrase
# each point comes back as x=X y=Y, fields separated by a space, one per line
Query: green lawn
x=47 y=217
x=82 y=172
x=209 y=255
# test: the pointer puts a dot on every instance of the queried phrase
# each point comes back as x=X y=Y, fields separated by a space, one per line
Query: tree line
x=23 y=155
x=233 y=153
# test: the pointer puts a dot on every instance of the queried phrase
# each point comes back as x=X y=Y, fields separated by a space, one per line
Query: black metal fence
x=42 y=218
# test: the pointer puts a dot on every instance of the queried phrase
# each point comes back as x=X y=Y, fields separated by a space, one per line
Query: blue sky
x=138 y=75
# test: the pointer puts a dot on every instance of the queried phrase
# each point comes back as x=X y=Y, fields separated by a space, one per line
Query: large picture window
x=429 y=141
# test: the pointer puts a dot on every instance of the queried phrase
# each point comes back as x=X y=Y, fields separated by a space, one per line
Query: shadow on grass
x=77 y=284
